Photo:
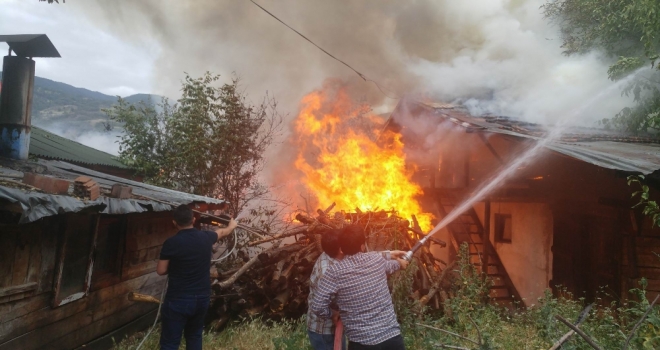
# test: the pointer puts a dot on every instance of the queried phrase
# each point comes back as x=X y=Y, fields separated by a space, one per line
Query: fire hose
x=408 y=256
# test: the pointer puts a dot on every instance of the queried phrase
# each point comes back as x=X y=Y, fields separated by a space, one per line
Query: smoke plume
x=494 y=56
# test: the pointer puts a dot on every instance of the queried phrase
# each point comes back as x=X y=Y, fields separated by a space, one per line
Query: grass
x=468 y=315
x=248 y=335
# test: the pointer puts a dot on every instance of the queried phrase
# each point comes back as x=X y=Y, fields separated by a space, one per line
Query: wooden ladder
x=467 y=228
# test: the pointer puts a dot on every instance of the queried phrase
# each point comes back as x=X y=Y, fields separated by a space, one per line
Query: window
x=503 y=228
x=20 y=268
x=108 y=251
x=75 y=259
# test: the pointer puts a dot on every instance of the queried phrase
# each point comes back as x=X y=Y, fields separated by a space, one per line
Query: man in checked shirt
x=321 y=330
x=358 y=283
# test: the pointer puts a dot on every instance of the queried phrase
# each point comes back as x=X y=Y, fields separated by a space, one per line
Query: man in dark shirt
x=186 y=257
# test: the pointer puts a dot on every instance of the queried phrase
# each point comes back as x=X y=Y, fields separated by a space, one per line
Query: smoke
x=494 y=56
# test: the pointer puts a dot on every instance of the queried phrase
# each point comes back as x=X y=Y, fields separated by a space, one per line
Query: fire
x=345 y=159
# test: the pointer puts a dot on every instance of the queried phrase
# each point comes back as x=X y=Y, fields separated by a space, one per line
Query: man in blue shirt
x=186 y=258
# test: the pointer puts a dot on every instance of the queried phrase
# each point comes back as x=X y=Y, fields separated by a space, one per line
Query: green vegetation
x=467 y=314
x=211 y=142
x=629 y=32
x=649 y=207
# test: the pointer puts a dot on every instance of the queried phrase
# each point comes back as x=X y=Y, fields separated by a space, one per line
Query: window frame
x=102 y=279
x=70 y=223
x=500 y=225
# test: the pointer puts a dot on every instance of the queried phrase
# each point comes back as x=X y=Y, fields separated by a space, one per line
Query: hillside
x=71 y=111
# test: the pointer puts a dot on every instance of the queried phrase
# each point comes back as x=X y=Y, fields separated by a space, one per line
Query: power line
x=364 y=77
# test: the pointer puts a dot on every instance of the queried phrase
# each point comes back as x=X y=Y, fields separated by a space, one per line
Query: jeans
x=394 y=343
x=183 y=314
x=323 y=341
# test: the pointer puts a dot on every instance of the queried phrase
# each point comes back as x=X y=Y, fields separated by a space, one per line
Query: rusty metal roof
x=604 y=148
x=34 y=205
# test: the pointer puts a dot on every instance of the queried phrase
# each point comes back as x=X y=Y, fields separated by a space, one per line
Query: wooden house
x=565 y=220
x=67 y=262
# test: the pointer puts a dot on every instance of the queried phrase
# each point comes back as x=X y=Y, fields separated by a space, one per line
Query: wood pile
x=275 y=282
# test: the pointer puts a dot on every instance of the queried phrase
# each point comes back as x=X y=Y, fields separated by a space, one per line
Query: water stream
x=527 y=155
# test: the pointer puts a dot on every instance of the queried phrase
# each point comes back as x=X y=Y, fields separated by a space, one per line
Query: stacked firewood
x=275 y=282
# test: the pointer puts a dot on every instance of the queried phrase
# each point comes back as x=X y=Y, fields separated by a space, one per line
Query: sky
x=92 y=57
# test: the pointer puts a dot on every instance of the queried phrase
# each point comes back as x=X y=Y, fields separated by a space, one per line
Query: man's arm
x=395 y=265
x=392 y=254
x=327 y=288
x=226 y=231
x=162 y=266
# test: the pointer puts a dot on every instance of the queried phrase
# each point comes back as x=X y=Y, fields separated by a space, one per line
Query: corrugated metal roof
x=604 y=148
x=35 y=205
x=45 y=144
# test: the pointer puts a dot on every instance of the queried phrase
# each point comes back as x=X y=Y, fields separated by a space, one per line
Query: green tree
x=211 y=142
x=628 y=31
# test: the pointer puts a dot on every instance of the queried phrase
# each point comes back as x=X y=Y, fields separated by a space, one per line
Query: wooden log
x=297 y=303
x=305 y=219
x=275 y=280
x=443 y=299
x=436 y=285
x=253 y=311
x=296 y=231
x=579 y=332
x=241 y=271
x=273 y=254
x=278 y=303
x=569 y=334
x=218 y=324
x=310 y=258
x=328 y=209
x=143 y=298
x=424 y=280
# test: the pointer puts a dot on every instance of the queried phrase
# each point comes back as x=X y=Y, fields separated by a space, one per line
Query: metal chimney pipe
x=16 y=106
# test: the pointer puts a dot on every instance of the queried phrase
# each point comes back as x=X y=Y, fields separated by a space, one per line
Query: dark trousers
x=324 y=341
x=394 y=343
x=183 y=315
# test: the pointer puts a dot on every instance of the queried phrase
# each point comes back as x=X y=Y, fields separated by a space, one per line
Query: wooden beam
x=21 y=288
x=485 y=237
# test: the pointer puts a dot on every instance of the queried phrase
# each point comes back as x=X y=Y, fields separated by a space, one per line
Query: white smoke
x=504 y=58
x=495 y=56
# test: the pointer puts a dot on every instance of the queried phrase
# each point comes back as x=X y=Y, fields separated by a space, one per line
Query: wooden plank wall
x=31 y=323
x=643 y=252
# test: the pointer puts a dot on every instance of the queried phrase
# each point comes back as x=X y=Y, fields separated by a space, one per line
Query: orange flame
x=343 y=162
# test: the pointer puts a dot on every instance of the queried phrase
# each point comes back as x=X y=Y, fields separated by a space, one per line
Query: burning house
x=564 y=220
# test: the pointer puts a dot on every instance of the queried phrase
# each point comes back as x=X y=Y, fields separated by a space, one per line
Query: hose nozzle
x=408 y=256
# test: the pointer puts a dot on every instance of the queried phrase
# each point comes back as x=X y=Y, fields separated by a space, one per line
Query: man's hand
x=335 y=316
x=397 y=254
x=232 y=224
x=402 y=263
x=226 y=231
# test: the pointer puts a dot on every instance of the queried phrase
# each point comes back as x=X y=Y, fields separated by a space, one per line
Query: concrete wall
x=528 y=258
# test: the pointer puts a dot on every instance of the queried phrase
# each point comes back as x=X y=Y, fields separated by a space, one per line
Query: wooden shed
x=68 y=261
x=565 y=220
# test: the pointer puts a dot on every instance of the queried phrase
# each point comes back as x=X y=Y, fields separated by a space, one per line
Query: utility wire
x=364 y=77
